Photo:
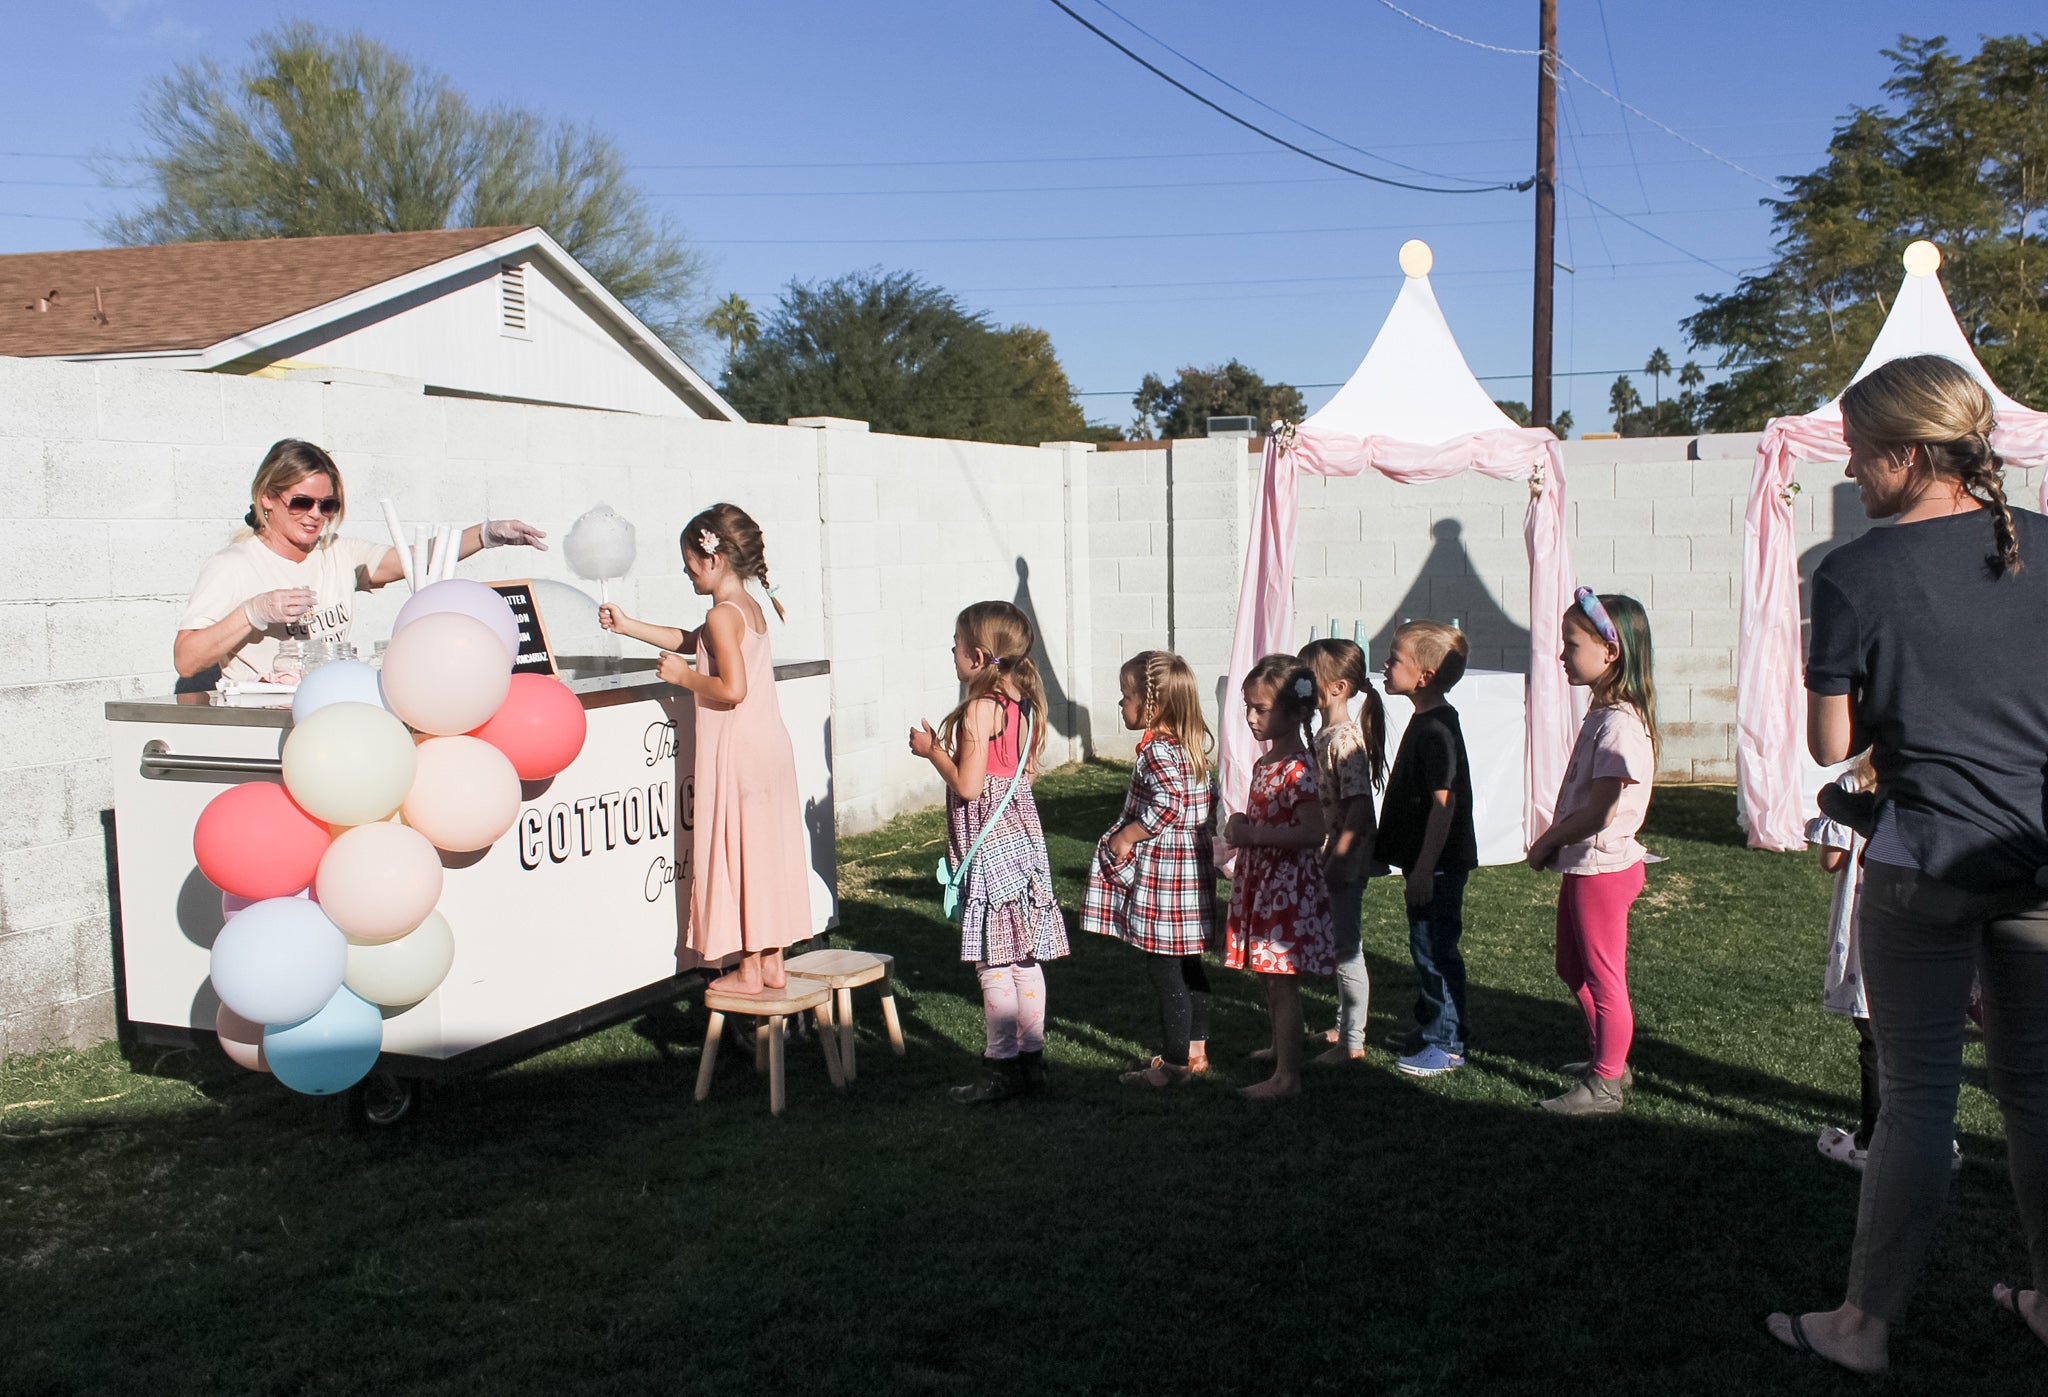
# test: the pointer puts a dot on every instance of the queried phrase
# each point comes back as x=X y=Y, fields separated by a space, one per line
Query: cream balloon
x=377 y=882
x=1922 y=258
x=349 y=763
x=1416 y=258
x=464 y=796
x=402 y=972
x=446 y=674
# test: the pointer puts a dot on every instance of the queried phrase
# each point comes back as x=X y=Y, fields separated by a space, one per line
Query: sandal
x=2006 y=1295
x=1796 y=1339
x=1159 y=1075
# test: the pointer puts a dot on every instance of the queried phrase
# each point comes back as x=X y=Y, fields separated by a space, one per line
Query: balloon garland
x=330 y=902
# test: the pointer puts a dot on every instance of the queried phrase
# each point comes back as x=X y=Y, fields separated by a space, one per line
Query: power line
x=1262 y=131
x=1655 y=237
x=1439 y=29
x=1284 y=116
x=1615 y=73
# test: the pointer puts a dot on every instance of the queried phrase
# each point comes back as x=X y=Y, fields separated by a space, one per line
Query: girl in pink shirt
x=1592 y=841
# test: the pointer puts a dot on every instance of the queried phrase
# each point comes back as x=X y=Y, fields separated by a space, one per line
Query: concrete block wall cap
x=830 y=424
x=361 y=378
x=1063 y=445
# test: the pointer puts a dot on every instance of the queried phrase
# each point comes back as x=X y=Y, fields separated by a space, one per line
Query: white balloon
x=405 y=971
x=279 y=961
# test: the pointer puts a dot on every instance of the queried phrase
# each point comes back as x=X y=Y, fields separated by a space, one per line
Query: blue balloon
x=278 y=960
x=329 y=1052
x=337 y=681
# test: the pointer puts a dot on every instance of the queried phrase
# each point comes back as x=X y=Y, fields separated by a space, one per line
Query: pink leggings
x=1592 y=958
x=1013 y=1003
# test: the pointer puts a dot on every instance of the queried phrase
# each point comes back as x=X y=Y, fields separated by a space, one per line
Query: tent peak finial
x=1922 y=258
x=1416 y=258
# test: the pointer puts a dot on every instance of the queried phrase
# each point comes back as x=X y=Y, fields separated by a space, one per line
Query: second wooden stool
x=841 y=971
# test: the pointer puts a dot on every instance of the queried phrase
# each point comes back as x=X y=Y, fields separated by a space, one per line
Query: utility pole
x=1546 y=214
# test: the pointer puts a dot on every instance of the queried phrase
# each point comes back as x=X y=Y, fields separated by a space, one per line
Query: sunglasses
x=327 y=504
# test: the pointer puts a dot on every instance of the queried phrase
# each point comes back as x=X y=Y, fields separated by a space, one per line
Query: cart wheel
x=381 y=1100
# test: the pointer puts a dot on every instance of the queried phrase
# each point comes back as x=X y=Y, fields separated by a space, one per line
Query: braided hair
x=739 y=538
x=1172 y=703
x=1932 y=406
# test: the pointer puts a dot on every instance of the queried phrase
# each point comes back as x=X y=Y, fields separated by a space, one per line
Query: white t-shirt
x=1612 y=743
x=336 y=570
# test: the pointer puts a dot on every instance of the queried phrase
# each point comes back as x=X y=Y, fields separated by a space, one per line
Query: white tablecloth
x=1491 y=708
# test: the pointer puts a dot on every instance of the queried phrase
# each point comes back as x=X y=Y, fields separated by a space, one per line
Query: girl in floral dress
x=1153 y=882
x=1280 y=924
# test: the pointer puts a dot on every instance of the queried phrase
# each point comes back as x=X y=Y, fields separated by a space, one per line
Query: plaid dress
x=1163 y=898
x=1008 y=912
x=1279 y=901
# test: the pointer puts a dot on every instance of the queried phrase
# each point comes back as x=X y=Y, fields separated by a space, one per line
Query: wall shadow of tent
x=1846 y=521
x=1449 y=587
x=1066 y=717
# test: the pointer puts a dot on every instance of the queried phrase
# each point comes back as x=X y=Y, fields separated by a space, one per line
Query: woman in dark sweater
x=1928 y=647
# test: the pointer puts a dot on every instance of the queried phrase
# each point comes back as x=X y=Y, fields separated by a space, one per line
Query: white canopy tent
x=1413 y=411
x=1775 y=780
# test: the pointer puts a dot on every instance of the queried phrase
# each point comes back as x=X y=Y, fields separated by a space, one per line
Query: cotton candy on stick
x=600 y=547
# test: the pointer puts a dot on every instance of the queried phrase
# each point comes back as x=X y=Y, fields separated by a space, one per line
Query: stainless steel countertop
x=600 y=681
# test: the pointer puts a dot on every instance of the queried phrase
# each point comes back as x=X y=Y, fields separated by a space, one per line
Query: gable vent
x=512 y=297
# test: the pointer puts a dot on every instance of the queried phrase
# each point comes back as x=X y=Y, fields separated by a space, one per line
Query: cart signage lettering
x=595 y=824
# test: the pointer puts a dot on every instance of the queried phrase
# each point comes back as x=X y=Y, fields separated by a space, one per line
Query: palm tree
x=733 y=321
x=1659 y=365
x=1623 y=399
x=1691 y=375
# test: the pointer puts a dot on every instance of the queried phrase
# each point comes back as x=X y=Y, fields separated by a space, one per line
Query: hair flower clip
x=1304 y=686
x=708 y=542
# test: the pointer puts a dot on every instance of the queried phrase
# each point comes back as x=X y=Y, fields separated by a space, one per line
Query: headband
x=1588 y=603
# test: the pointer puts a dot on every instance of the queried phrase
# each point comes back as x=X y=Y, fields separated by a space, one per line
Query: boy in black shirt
x=1426 y=831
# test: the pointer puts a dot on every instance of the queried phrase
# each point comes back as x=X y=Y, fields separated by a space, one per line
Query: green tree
x=1656 y=368
x=1183 y=407
x=336 y=133
x=1959 y=155
x=733 y=320
x=1518 y=412
x=1623 y=401
x=905 y=357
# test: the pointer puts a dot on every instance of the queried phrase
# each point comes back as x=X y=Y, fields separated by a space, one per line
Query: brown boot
x=1593 y=1096
x=1583 y=1069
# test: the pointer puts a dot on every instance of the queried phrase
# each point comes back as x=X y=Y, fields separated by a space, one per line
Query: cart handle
x=158 y=757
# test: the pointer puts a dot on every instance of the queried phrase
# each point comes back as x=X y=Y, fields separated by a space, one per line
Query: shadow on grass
x=578 y=1223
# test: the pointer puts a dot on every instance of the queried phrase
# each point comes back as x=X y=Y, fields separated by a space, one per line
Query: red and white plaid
x=1163 y=900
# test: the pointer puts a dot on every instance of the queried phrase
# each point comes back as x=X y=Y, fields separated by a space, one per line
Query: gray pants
x=1354 y=986
x=1923 y=942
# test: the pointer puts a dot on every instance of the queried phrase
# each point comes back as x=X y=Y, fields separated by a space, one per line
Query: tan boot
x=1593 y=1096
x=1581 y=1069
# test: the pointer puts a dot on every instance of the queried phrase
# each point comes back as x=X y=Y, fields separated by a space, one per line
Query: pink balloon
x=446 y=674
x=458 y=596
x=464 y=795
x=241 y=1040
x=379 y=881
x=540 y=726
x=254 y=840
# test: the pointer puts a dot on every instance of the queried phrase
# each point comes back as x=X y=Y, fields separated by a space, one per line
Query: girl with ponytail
x=750 y=880
x=1926 y=648
x=987 y=752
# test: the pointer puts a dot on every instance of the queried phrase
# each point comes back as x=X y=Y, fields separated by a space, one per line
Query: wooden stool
x=771 y=1007
x=841 y=971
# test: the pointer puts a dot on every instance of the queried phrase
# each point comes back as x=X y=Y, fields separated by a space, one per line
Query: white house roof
x=1413 y=384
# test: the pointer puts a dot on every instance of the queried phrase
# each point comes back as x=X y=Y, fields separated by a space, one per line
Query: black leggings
x=1182 y=984
x=1866 y=1057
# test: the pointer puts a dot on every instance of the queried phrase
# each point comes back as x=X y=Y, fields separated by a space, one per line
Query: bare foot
x=1846 y=1337
x=772 y=973
x=1328 y=1035
x=2025 y=1303
x=1272 y=1089
x=1337 y=1055
x=1198 y=1057
x=744 y=980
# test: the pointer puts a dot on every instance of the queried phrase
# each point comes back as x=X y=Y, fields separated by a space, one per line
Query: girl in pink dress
x=750 y=865
x=1280 y=924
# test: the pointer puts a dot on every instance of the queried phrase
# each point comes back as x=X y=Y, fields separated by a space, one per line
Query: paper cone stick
x=419 y=554
x=398 y=542
x=454 y=550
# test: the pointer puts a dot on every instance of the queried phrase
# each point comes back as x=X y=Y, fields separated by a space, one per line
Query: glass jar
x=290 y=660
x=318 y=653
x=377 y=654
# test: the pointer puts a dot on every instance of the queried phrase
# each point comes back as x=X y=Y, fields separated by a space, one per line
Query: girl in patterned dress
x=1153 y=882
x=1010 y=920
x=1280 y=923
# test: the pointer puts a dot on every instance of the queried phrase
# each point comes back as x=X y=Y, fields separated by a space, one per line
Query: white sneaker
x=1840 y=1145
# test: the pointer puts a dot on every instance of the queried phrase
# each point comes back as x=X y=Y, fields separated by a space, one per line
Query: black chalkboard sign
x=533 y=634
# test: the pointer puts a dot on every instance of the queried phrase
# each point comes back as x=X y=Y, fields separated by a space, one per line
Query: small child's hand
x=1237 y=830
x=1420 y=887
x=923 y=741
x=1124 y=843
x=672 y=668
x=610 y=618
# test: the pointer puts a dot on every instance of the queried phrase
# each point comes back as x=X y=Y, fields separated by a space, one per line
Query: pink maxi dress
x=750 y=873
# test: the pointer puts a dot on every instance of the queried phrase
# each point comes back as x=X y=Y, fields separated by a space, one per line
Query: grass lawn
x=172 y=1224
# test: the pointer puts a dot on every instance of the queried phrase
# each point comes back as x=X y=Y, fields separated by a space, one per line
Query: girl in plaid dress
x=1279 y=900
x=1010 y=920
x=1153 y=882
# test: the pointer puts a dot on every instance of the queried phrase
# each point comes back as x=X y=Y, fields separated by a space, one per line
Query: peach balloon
x=378 y=882
x=446 y=673
x=465 y=794
x=241 y=1040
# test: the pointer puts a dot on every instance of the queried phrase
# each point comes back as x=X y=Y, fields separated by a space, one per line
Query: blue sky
x=1002 y=151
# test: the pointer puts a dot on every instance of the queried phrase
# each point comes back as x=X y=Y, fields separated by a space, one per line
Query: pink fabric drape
x=1265 y=603
x=1770 y=677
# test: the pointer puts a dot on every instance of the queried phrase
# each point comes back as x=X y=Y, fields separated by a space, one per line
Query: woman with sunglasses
x=292 y=571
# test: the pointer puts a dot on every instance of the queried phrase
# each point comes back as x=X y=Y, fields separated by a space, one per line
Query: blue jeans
x=1433 y=932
